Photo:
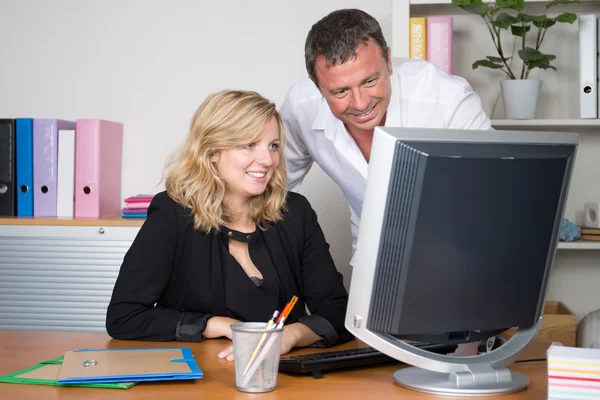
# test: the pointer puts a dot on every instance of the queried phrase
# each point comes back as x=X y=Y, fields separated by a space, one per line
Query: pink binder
x=45 y=164
x=439 y=42
x=98 y=151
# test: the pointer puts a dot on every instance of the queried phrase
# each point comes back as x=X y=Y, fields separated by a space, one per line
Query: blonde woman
x=226 y=242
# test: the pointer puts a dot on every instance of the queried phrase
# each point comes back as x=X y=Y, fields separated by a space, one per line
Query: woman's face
x=246 y=170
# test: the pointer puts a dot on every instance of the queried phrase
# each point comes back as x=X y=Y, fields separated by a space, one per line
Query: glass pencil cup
x=256 y=352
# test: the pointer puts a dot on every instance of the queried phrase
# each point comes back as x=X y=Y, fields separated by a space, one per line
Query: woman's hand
x=219 y=327
x=297 y=335
x=294 y=335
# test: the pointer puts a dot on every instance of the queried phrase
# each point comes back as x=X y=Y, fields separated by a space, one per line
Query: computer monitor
x=457 y=237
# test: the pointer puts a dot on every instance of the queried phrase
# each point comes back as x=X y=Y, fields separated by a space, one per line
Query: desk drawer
x=59 y=278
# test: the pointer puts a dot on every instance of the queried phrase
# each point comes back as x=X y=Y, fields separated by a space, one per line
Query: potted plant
x=520 y=95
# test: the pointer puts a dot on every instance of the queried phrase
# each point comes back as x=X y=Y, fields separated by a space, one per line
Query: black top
x=174 y=278
x=239 y=287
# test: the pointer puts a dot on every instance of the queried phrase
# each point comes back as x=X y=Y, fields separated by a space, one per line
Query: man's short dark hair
x=338 y=35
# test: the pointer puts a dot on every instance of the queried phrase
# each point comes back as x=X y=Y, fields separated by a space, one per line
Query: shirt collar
x=394 y=111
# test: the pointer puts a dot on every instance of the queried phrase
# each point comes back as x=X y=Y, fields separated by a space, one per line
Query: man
x=355 y=86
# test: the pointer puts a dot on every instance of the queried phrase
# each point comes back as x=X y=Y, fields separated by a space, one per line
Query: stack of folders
x=111 y=368
x=61 y=168
x=430 y=39
x=137 y=206
x=573 y=373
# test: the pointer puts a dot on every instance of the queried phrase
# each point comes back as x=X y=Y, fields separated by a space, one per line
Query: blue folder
x=128 y=365
x=24 y=171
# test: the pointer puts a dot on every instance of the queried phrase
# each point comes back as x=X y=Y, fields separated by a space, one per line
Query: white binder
x=588 y=66
x=65 y=185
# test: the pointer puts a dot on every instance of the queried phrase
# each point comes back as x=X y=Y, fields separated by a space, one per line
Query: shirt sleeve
x=133 y=313
x=467 y=110
x=298 y=159
x=323 y=287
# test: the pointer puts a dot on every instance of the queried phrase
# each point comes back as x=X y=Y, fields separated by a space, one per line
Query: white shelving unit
x=579 y=245
x=548 y=124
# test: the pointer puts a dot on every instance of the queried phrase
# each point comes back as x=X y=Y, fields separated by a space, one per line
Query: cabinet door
x=59 y=278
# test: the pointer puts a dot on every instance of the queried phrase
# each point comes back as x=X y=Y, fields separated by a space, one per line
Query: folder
x=98 y=150
x=7 y=168
x=46 y=373
x=128 y=365
x=439 y=42
x=417 y=38
x=65 y=185
x=588 y=69
x=45 y=164
x=24 y=186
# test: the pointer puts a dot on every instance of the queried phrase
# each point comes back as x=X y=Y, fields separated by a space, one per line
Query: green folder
x=46 y=373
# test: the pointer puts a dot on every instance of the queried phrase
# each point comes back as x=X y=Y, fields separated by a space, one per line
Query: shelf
x=579 y=245
x=547 y=124
x=109 y=220
x=449 y=2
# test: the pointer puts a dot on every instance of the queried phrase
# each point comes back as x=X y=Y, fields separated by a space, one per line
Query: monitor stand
x=480 y=380
x=480 y=375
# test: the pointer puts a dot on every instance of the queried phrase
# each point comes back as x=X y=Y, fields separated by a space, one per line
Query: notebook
x=128 y=365
x=46 y=373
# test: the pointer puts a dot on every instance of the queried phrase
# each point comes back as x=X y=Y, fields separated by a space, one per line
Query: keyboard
x=316 y=363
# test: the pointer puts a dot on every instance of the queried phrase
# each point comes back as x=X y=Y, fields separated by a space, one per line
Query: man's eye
x=340 y=93
x=371 y=81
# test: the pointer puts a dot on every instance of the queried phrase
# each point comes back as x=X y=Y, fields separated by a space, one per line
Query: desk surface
x=20 y=349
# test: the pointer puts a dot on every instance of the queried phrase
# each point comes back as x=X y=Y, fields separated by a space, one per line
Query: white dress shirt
x=422 y=96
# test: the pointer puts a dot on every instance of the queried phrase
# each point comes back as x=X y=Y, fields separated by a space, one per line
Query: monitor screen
x=458 y=231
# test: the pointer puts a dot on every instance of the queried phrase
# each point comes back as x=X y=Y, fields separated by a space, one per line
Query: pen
x=270 y=324
x=254 y=363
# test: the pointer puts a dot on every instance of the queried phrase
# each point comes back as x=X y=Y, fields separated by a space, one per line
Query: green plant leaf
x=504 y=20
x=547 y=23
x=511 y=4
x=566 y=18
x=542 y=64
x=528 y=54
x=563 y=2
x=497 y=59
x=518 y=30
x=487 y=64
x=472 y=6
x=522 y=17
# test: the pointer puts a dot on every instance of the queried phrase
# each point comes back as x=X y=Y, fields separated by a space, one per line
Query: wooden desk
x=20 y=349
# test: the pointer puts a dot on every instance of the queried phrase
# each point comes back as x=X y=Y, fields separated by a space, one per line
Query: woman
x=226 y=242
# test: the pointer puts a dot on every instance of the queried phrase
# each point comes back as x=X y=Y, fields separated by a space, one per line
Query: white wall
x=150 y=63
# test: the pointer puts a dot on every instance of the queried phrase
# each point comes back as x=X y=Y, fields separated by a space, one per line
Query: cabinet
x=58 y=275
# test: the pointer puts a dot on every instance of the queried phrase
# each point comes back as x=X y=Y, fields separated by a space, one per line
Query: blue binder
x=128 y=365
x=24 y=186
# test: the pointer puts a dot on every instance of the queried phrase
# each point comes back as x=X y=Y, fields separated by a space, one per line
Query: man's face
x=358 y=91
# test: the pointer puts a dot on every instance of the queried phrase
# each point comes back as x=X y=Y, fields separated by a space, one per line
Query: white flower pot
x=520 y=97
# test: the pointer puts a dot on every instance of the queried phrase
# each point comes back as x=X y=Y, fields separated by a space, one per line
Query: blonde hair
x=224 y=120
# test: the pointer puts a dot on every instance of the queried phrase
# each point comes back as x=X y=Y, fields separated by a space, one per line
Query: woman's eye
x=274 y=146
x=250 y=145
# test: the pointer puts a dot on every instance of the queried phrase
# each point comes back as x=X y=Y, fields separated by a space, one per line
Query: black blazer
x=171 y=278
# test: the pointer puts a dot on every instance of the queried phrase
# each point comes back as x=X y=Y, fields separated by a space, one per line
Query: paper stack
x=573 y=373
x=137 y=206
